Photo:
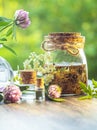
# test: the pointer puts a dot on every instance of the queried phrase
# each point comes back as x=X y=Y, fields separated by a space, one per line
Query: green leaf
x=56 y=99
x=85 y=97
x=1 y=97
x=4 y=21
x=83 y=87
x=89 y=90
x=8 y=48
x=3 y=39
x=6 y=26
x=14 y=32
x=94 y=83
x=94 y=95
x=86 y=89
x=9 y=32
x=95 y=91
x=27 y=91
x=23 y=88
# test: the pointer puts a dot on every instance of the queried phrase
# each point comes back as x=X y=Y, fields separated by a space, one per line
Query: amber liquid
x=68 y=78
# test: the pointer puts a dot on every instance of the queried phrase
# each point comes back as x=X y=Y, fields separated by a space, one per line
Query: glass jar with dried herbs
x=68 y=57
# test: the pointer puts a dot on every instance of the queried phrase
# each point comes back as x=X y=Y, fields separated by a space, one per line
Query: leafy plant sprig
x=89 y=90
x=8 y=27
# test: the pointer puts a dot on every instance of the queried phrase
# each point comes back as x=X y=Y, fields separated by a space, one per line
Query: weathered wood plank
x=73 y=114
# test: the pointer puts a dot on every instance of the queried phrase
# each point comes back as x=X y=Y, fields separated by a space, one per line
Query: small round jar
x=67 y=51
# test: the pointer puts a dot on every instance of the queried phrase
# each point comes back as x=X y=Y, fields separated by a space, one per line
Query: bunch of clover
x=8 y=26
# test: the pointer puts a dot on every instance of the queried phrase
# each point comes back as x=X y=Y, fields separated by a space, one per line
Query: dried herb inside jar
x=68 y=78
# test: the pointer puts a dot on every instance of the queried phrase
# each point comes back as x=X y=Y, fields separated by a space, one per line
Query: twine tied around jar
x=70 y=43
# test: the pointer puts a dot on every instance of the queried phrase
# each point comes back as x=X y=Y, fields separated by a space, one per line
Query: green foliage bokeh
x=52 y=16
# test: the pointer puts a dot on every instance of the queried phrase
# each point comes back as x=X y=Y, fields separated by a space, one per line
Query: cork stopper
x=65 y=34
x=28 y=76
x=66 y=37
x=69 y=41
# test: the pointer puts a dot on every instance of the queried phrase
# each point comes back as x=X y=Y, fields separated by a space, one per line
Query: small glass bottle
x=28 y=79
x=6 y=72
x=40 y=90
x=28 y=76
x=68 y=57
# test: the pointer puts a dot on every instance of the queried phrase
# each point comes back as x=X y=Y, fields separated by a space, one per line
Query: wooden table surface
x=73 y=114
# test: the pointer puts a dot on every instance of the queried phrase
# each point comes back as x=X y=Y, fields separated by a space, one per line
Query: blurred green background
x=52 y=16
